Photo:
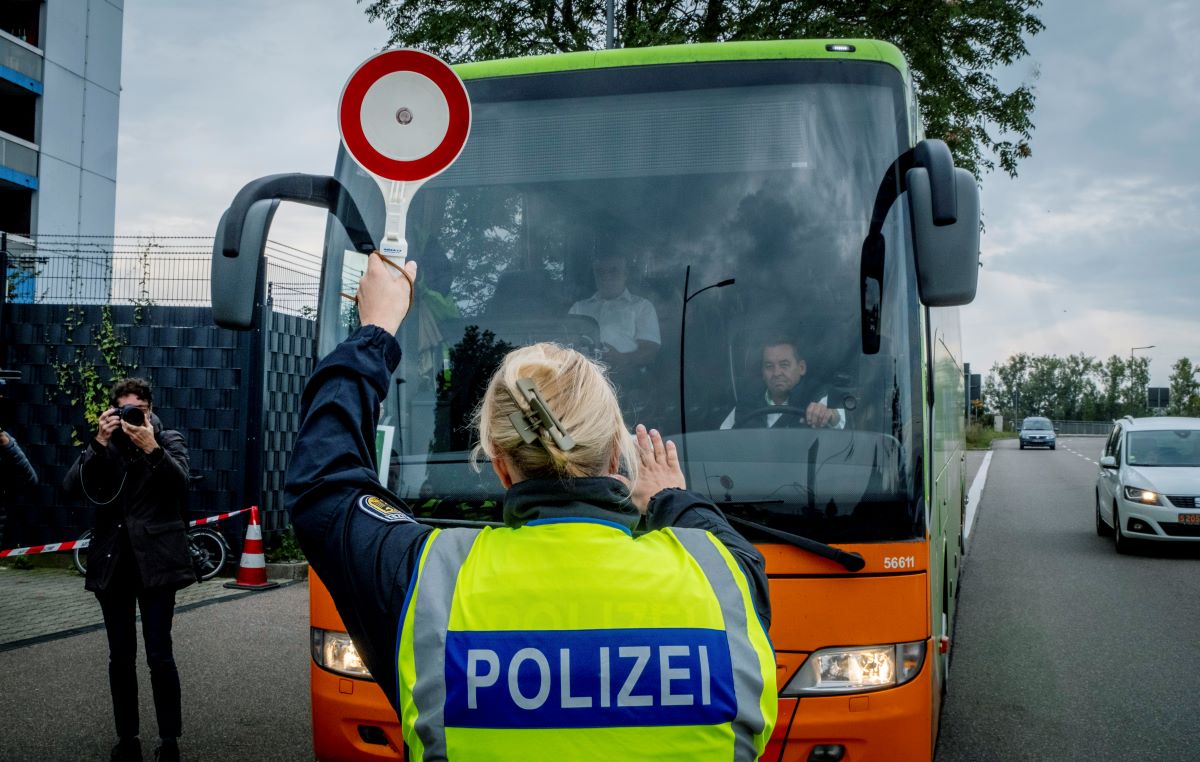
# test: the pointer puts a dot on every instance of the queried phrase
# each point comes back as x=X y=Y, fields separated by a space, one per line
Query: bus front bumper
x=893 y=725
x=352 y=719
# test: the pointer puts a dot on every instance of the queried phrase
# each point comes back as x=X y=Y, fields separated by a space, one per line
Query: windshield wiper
x=851 y=561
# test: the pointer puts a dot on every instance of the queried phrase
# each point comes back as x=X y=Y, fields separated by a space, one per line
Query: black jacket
x=15 y=467
x=364 y=544
x=801 y=396
x=143 y=496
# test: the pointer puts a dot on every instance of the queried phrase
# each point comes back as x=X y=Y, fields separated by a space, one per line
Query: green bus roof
x=771 y=50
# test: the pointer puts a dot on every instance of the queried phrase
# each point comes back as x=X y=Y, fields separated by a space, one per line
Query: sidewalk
x=44 y=604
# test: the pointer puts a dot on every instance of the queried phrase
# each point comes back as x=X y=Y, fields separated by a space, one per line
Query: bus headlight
x=335 y=652
x=856 y=670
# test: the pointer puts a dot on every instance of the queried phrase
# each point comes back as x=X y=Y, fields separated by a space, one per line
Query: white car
x=1149 y=482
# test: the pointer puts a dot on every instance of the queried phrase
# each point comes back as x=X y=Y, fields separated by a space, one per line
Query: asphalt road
x=1064 y=650
x=243 y=666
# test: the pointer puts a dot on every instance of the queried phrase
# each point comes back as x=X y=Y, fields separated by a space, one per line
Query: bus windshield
x=583 y=206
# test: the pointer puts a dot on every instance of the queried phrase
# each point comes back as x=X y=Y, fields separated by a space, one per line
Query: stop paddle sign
x=404 y=116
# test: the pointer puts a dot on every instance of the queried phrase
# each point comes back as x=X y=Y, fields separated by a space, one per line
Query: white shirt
x=623 y=321
x=772 y=418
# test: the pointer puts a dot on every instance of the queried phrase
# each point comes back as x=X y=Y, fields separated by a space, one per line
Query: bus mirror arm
x=850 y=561
x=242 y=238
x=314 y=190
x=934 y=157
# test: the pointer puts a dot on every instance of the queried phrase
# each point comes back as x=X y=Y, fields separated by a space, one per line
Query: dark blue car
x=1037 y=432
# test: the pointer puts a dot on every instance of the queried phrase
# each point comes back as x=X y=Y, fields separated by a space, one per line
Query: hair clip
x=539 y=418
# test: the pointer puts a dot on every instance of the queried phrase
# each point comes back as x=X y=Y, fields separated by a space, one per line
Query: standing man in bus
x=560 y=635
x=628 y=324
x=783 y=375
x=136 y=474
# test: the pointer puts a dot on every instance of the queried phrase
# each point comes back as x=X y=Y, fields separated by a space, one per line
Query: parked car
x=1037 y=432
x=1149 y=482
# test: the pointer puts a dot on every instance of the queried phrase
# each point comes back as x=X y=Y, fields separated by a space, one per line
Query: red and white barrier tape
x=218 y=517
x=53 y=547
x=59 y=547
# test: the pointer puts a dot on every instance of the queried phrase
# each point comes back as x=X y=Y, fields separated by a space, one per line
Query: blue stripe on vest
x=588 y=678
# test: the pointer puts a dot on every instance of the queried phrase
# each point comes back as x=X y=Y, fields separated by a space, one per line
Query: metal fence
x=1083 y=428
x=145 y=270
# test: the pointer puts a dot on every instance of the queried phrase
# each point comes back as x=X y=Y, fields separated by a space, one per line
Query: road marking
x=973 y=496
x=1073 y=452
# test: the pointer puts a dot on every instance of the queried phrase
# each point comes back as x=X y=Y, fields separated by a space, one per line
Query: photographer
x=136 y=473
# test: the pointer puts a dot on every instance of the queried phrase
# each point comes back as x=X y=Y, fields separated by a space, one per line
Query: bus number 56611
x=900 y=562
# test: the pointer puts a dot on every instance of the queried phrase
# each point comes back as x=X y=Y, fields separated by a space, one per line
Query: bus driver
x=783 y=372
x=560 y=635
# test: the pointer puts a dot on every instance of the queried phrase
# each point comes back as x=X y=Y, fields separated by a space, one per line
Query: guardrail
x=146 y=271
x=1083 y=428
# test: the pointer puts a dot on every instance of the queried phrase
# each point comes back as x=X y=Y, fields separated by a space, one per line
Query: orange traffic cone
x=252 y=571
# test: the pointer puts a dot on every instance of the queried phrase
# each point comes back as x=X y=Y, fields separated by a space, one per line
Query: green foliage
x=1185 y=389
x=84 y=379
x=1072 y=388
x=979 y=436
x=952 y=46
x=287 y=551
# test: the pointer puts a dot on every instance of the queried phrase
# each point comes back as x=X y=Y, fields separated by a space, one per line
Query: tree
x=1135 y=392
x=1040 y=394
x=952 y=46
x=1004 y=386
x=1185 y=389
x=1112 y=380
x=1077 y=397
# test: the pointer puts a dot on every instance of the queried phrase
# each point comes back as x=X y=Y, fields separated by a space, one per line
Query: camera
x=133 y=415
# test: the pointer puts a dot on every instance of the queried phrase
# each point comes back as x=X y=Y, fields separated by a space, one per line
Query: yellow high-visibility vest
x=572 y=640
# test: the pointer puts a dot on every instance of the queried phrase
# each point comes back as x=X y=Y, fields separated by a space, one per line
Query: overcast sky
x=1092 y=249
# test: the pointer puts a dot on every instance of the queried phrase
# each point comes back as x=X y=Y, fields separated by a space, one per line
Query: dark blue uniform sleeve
x=356 y=534
x=681 y=508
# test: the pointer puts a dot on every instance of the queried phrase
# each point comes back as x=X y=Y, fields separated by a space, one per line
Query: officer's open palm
x=658 y=470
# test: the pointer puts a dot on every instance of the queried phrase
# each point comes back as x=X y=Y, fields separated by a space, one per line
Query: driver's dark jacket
x=367 y=562
x=141 y=508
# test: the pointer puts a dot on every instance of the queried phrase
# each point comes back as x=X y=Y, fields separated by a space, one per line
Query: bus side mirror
x=242 y=237
x=232 y=280
x=947 y=253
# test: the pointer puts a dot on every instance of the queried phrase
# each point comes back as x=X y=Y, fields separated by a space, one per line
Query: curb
x=297 y=570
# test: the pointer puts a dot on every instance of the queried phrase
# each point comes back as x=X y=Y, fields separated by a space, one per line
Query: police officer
x=561 y=635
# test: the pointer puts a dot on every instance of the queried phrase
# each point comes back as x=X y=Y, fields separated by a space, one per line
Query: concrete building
x=60 y=91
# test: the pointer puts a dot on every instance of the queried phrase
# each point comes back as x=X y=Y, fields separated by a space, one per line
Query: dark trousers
x=158 y=609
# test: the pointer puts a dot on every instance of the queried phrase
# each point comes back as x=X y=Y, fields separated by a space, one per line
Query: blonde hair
x=578 y=393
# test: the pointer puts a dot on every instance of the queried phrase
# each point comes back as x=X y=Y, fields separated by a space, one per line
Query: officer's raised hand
x=385 y=293
x=658 y=470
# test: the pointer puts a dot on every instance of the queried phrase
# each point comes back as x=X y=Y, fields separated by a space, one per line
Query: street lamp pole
x=687 y=277
x=1133 y=349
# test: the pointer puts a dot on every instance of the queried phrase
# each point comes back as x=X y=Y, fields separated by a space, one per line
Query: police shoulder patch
x=378 y=508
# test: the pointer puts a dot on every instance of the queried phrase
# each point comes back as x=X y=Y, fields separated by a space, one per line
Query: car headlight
x=335 y=652
x=831 y=671
x=1138 y=495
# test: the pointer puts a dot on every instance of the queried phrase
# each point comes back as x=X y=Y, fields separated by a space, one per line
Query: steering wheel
x=799 y=412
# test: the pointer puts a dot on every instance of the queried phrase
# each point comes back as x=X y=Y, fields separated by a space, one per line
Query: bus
x=751 y=193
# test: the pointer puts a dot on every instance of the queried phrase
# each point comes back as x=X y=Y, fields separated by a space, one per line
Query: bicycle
x=208 y=548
